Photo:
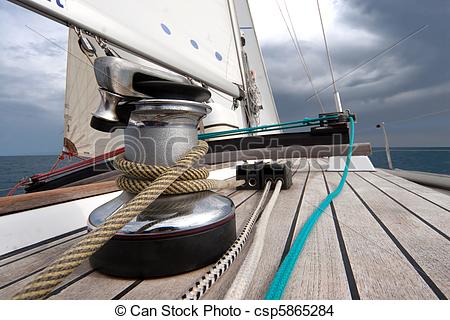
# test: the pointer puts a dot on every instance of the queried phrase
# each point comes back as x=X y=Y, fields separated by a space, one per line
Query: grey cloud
x=32 y=74
x=410 y=80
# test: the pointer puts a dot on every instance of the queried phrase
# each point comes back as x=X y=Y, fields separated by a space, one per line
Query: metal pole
x=386 y=143
x=337 y=101
x=337 y=97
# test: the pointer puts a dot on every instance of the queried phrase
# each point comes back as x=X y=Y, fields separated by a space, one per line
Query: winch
x=159 y=113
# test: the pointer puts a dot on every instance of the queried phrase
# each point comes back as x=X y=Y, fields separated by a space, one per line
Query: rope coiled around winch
x=138 y=176
x=149 y=191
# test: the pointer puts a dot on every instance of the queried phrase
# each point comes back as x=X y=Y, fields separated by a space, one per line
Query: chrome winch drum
x=176 y=233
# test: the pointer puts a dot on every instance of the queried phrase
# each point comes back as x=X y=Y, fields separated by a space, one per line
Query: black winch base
x=146 y=257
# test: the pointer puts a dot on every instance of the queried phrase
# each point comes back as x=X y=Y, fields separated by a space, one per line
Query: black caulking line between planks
x=402 y=249
x=346 y=260
x=68 y=284
x=41 y=243
x=127 y=289
x=21 y=278
x=441 y=233
x=420 y=196
x=287 y=245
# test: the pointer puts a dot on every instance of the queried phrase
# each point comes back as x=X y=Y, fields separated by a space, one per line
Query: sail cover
x=194 y=38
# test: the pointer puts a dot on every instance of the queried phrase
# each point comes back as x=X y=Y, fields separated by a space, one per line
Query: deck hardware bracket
x=257 y=174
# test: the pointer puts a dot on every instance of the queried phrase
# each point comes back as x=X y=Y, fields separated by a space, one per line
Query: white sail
x=194 y=38
x=81 y=100
x=82 y=97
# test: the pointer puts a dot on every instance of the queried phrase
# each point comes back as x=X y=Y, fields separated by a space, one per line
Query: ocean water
x=435 y=160
x=14 y=168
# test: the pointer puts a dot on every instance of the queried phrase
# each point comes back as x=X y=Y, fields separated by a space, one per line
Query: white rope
x=220 y=267
x=244 y=277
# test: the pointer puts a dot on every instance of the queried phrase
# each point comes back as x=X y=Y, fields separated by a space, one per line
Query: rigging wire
x=299 y=51
x=77 y=58
x=326 y=48
x=419 y=116
x=364 y=63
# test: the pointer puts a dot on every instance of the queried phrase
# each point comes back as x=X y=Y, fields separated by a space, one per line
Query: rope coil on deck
x=148 y=192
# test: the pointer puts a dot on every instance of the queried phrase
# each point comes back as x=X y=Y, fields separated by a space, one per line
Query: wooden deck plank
x=16 y=255
x=380 y=269
x=165 y=288
x=8 y=292
x=425 y=249
x=95 y=286
x=32 y=263
x=441 y=199
x=28 y=201
x=434 y=215
x=319 y=272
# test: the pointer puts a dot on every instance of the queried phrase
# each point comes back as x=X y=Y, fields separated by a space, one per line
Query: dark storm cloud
x=32 y=77
x=411 y=79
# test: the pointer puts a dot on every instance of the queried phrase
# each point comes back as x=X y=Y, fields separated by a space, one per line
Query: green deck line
x=281 y=279
x=277 y=126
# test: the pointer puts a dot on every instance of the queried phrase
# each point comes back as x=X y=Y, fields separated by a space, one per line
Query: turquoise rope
x=283 y=274
x=277 y=126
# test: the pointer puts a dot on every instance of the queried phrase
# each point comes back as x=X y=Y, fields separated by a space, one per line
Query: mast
x=337 y=97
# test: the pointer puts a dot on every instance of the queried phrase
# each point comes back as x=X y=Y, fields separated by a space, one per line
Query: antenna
x=337 y=98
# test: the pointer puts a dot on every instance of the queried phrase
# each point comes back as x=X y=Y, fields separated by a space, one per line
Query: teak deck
x=382 y=238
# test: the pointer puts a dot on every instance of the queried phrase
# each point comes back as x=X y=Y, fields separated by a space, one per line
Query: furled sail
x=196 y=38
x=268 y=115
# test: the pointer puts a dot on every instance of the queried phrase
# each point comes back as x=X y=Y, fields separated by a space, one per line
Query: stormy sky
x=408 y=87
